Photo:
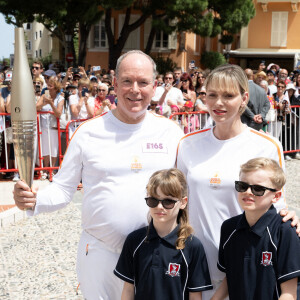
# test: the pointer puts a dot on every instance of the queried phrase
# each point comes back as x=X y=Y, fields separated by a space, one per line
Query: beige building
x=272 y=35
x=40 y=43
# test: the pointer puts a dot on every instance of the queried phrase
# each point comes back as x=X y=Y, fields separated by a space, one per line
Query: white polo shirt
x=174 y=94
x=115 y=161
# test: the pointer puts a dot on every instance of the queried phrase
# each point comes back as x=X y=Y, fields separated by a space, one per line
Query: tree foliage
x=212 y=59
x=203 y=17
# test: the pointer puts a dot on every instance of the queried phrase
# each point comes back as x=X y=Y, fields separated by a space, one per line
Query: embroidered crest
x=173 y=270
x=266 y=259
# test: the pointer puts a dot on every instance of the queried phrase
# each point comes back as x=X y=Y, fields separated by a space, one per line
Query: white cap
x=290 y=86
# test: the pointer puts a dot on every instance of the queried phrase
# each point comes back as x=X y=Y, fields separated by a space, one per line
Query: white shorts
x=52 y=137
x=95 y=266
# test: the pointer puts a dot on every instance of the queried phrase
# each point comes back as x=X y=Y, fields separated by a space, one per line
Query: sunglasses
x=166 y=203
x=46 y=77
x=37 y=68
x=280 y=86
x=170 y=78
x=202 y=93
x=257 y=190
x=184 y=80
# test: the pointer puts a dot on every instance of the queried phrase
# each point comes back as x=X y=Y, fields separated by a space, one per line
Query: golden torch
x=23 y=111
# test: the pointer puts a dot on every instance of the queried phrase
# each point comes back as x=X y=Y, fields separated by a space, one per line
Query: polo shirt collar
x=260 y=226
x=171 y=238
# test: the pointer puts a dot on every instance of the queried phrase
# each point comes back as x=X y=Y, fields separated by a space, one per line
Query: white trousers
x=95 y=265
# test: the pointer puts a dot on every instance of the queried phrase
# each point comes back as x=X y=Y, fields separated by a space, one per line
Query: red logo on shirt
x=266 y=259
x=173 y=270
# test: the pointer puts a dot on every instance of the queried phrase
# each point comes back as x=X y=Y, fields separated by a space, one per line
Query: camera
x=75 y=70
x=37 y=88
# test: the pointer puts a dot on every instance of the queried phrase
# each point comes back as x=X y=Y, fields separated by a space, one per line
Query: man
x=168 y=95
x=37 y=70
x=114 y=155
x=283 y=75
x=258 y=105
x=271 y=82
x=177 y=75
x=259 y=77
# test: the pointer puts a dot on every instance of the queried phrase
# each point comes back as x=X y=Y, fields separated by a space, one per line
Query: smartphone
x=75 y=70
x=84 y=91
x=184 y=91
x=96 y=68
x=47 y=94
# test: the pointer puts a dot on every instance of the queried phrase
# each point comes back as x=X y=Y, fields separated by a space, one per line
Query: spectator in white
x=37 y=70
x=47 y=75
x=114 y=155
x=258 y=105
x=168 y=95
x=54 y=102
x=81 y=107
x=283 y=75
x=271 y=82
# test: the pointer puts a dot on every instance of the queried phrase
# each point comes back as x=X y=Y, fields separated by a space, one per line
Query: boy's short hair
x=278 y=178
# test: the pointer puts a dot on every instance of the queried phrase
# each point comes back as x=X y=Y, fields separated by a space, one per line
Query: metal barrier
x=287 y=131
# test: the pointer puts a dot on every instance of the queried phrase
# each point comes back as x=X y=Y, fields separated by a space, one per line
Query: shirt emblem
x=266 y=259
x=173 y=270
x=215 y=181
x=136 y=165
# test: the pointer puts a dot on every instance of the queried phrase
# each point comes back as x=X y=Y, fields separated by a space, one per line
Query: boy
x=259 y=254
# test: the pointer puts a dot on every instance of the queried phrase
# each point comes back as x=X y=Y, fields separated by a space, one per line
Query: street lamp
x=227 y=51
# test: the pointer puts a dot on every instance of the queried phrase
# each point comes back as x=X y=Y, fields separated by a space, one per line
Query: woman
x=101 y=103
x=297 y=85
x=211 y=159
x=199 y=83
x=52 y=101
x=187 y=88
x=282 y=106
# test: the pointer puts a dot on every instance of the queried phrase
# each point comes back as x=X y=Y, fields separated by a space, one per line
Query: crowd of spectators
x=80 y=94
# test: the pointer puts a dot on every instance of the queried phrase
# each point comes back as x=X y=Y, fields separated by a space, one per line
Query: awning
x=257 y=52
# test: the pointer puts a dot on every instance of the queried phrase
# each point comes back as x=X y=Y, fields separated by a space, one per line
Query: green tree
x=59 y=17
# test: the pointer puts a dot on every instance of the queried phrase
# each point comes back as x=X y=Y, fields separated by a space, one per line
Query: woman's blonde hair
x=262 y=163
x=229 y=77
x=57 y=85
x=172 y=182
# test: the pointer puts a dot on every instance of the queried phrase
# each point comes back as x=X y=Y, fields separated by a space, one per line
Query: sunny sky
x=6 y=38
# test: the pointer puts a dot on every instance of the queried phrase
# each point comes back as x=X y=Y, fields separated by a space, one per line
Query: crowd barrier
x=287 y=131
x=51 y=138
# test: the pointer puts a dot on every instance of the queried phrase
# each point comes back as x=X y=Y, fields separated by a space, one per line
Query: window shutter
x=173 y=36
x=279 y=29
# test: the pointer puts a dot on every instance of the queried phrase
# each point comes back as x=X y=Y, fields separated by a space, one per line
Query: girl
x=164 y=260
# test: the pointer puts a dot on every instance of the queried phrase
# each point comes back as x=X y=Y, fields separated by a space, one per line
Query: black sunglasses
x=202 y=93
x=166 y=203
x=257 y=190
x=184 y=80
x=37 y=68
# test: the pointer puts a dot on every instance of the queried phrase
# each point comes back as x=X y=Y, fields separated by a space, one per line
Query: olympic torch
x=23 y=111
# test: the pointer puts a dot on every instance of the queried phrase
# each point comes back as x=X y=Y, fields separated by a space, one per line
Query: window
x=40 y=33
x=40 y=52
x=161 y=40
x=28 y=26
x=100 y=35
x=28 y=45
x=36 y=53
x=279 y=29
x=35 y=35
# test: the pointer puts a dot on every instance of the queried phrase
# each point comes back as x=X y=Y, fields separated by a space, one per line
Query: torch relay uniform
x=115 y=161
x=211 y=172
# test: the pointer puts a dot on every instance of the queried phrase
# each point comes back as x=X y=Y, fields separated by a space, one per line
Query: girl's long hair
x=172 y=182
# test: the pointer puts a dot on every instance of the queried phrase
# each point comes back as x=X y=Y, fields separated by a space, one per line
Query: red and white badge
x=266 y=259
x=173 y=270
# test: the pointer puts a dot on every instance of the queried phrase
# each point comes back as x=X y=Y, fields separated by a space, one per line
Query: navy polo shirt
x=258 y=259
x=160 y=271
